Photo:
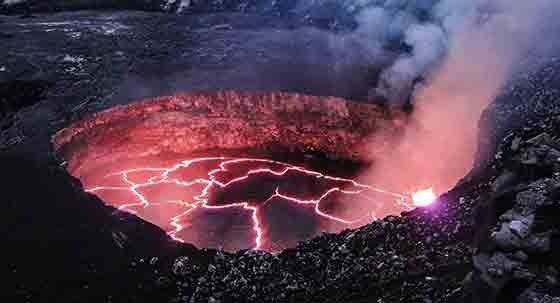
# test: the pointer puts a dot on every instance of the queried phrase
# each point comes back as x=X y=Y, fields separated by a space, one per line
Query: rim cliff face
x=239 y=122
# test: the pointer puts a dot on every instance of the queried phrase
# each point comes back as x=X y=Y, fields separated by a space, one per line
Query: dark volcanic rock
x=530 y=95
x=517 y=264
x=326 y=14
x=27 y=7
x=332 y=15
x=56 y=234
x=17 y=94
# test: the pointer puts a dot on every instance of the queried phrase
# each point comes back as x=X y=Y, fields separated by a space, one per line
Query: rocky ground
x=334 y=15
x=61 y=244
x=515 y=259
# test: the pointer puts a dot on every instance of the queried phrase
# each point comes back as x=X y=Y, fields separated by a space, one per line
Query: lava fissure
x=205 y=189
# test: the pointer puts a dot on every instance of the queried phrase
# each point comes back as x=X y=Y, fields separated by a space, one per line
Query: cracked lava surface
x=237 y=170
x=276 y=204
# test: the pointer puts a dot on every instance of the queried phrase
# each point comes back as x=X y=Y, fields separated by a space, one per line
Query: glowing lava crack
x=132 y=156
x=219 y=183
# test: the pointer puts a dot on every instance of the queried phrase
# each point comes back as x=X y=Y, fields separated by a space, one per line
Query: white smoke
x=427 y=29
x=465 y=52
x=429 y=45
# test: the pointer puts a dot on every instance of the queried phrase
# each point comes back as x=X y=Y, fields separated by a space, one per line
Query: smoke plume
x=461 y=54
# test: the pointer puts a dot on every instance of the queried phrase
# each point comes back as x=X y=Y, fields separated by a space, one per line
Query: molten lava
x=132 y=156
x=172 y=196
x=424 y=197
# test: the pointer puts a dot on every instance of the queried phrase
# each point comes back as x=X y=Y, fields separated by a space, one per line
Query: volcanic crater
x=236 y=170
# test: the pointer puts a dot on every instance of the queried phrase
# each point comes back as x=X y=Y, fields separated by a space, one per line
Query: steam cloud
x=461 y=54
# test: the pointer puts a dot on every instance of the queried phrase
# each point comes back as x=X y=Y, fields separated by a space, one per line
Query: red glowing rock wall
x=225 y=120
